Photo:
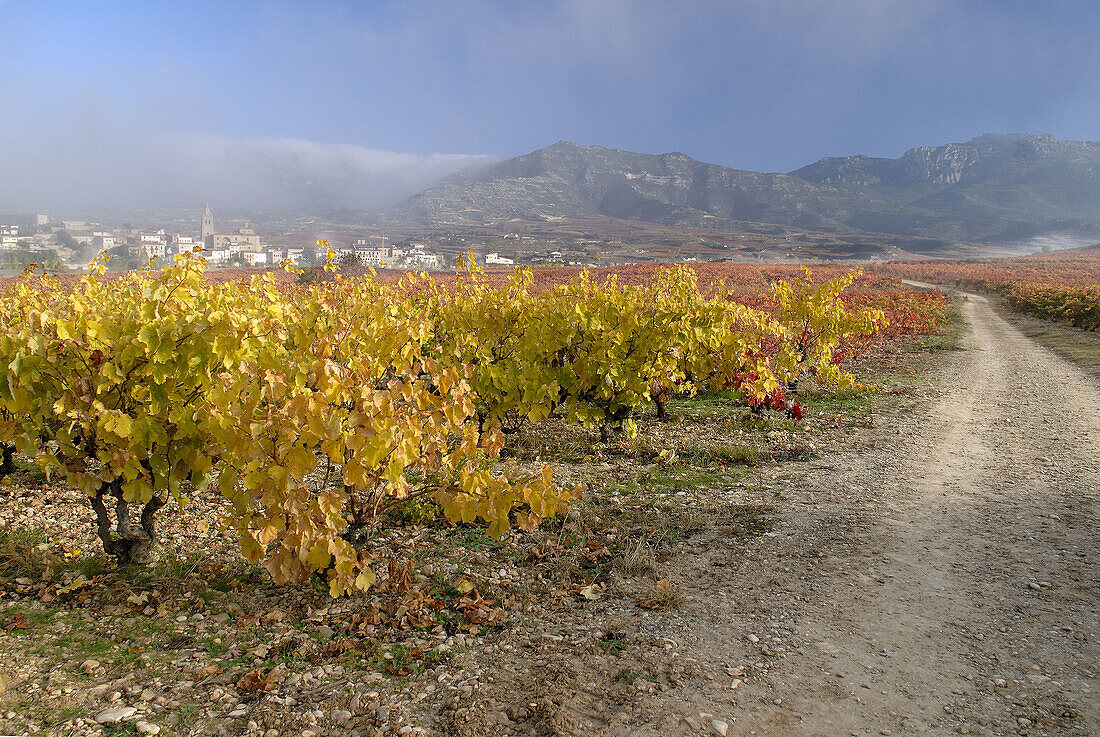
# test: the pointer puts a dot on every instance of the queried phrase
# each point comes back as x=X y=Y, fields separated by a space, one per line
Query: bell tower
x=207 y=224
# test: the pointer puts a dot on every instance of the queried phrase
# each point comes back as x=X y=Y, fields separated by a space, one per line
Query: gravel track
x=938 y=577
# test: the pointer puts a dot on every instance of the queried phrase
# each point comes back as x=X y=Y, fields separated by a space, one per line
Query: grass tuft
x=662 y=594
x=23 y=552
x=638 y=560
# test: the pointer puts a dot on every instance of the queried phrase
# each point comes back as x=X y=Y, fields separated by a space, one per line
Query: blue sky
x=757 y=84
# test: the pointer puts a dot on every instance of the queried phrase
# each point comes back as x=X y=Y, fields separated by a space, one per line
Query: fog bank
x=97 y=168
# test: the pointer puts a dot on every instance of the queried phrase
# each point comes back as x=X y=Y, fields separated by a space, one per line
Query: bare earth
x=941 y=577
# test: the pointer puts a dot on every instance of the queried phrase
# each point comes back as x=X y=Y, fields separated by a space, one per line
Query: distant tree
x=351 y=264
x=310 y=275
x=22 y=258
x=66 y=240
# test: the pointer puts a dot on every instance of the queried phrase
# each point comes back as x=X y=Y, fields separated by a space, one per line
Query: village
x=72 y=243
x=264 y=239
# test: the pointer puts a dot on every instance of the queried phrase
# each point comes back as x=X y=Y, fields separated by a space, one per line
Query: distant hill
x=568 y=180
x=1082 y=252
x=994 y=188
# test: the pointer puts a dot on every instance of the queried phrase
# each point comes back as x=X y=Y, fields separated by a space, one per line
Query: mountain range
x=996 y=188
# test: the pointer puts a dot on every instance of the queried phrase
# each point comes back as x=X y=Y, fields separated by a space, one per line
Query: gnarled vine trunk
x=661 y=400
x=7 y=462
x=129 y=545
x=613 y=422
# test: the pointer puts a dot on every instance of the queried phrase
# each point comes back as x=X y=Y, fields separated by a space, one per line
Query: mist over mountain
x=102 y=167
x=993 y=188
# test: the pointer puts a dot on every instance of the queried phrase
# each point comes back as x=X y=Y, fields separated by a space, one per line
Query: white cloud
x=298 y=173
x=85 y=165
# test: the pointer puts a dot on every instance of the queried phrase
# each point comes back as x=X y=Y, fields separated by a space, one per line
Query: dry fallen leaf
x=259 y=680
x=16 y=622
x=76 y=585
x=589 y=592
x=275 y=615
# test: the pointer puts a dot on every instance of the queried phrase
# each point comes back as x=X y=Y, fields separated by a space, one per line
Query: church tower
x=207 y=224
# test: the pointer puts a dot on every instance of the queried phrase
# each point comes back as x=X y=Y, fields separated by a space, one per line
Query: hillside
x=993 y=189
x=568 y=180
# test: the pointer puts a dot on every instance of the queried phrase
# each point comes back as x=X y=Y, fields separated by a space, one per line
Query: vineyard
x=1078 y=306
x=321 y=428
x=315 y=410
x=1063 y=287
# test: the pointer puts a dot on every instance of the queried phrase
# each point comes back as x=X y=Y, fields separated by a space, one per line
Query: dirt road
x=943 y=577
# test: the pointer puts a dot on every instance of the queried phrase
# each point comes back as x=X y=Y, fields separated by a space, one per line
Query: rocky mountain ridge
x=992 y=188
x=979 y=159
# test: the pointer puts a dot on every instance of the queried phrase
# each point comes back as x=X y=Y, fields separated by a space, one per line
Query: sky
x=359 y=104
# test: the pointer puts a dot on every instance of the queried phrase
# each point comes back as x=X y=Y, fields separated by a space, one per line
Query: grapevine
x=314 y=408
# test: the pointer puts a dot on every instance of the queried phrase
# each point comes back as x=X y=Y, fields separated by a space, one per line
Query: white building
x=495 y=259
x=216 y=255
x=178 y=244
x=154 y=244
x=416 y=258
x=373 y=251
x=278 y=254
x=253 y=256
